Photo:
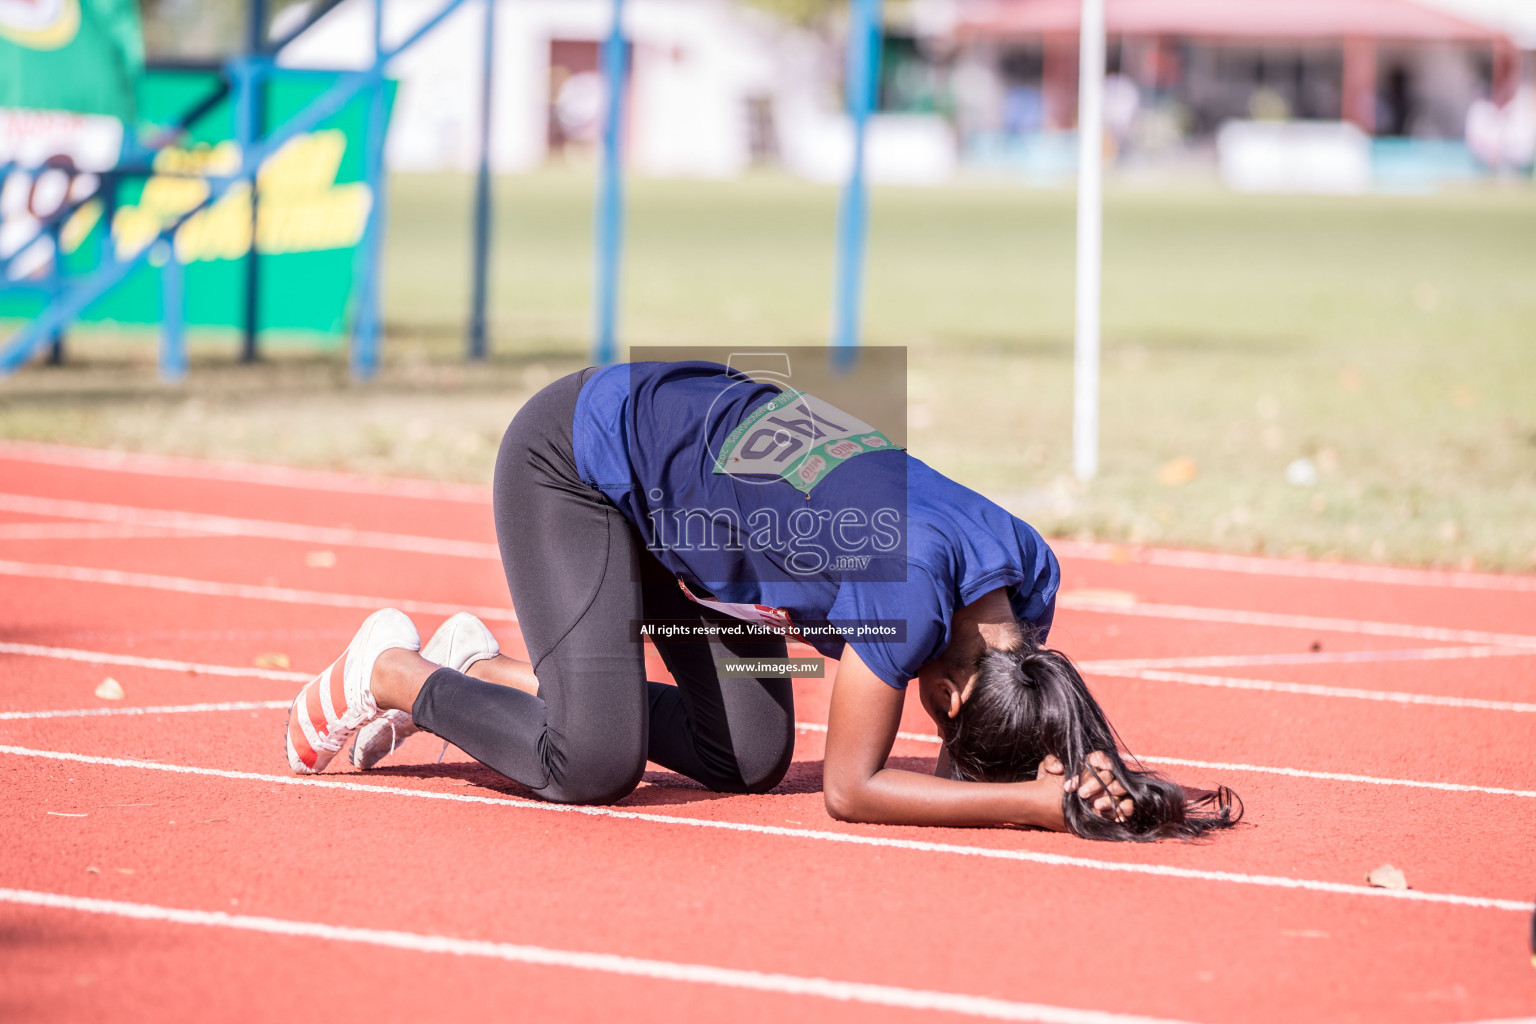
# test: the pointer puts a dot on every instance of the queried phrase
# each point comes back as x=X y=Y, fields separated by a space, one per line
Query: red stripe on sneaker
x=338 y=683
x=312 y=705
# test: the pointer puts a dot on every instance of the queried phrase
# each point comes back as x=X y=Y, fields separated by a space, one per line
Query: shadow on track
x=657 y=788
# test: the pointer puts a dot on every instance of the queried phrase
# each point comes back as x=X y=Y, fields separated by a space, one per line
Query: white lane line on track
x=162 y=664
x=1091 y=668
x=851 y=838
x=1247 y=564
x=1300 y=773
x=353 y=483
x=229 y=526
x=1278 y=620
x=164 y=709
x=1308 y=658
x=241 y=472
x=581 y=960
x=1317 y=690
x=283 y=595
x=85 y=531
x=1180 y=612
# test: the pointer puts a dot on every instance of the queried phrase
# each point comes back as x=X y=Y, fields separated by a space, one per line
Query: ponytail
x=1030 y=703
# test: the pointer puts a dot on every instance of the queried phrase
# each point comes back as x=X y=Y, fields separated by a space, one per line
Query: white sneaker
x=457 y=644
x=337 y=702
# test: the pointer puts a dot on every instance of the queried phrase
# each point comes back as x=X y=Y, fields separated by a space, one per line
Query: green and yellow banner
x=81 y=56
x=312 y=203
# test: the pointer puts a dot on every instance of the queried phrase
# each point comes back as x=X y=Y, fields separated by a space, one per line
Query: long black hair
x=1029 y=703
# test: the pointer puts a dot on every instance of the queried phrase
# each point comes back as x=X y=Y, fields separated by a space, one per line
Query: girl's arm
x=858 y=787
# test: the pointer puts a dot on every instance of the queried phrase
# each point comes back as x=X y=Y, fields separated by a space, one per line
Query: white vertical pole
x=1090 y=232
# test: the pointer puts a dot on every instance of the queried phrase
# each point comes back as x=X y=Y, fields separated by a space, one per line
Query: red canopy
x=1255 y=20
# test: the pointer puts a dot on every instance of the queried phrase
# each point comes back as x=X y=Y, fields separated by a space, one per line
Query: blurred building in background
x=701 y=76
x=1330 y=95
x=714 y=87
x=1309 y=95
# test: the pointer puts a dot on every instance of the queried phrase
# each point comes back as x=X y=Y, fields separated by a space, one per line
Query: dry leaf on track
x=110 y=689
x=1387 y=877
x=1179 y=471
x=272 y=661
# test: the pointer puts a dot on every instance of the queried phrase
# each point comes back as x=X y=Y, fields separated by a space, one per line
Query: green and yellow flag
x=81 y=56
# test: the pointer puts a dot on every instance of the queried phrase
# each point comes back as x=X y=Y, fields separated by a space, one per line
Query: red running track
x=161 y=863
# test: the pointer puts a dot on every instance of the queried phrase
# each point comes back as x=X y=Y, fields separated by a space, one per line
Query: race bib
x=799 y=438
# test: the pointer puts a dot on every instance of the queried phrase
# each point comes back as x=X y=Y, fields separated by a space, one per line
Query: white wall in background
x=815 y=135
x=696 y=65
x=899 y=149
x=1294 y=156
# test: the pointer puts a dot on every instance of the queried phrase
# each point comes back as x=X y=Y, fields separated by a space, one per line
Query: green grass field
x=1391 y=340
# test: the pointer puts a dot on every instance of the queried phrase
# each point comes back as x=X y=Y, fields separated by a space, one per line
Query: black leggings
x=580 y=576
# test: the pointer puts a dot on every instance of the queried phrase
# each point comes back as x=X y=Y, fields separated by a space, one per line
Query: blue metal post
x=477 y=344
x=365 y=326
x=610 y=194
x=173 y=340
x=862 y=77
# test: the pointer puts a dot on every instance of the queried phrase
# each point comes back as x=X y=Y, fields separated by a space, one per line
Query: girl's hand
x=1096 y=785
x=857 y=786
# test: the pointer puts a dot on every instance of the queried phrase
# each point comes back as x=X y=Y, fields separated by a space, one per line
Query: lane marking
x=1180 y=612
x=1279 y=620
x=163 y=664
x=230 y=526
x=851 y=838
x=354 y=483
x=1248 y=564
x=1110 y=669
x=605 y=963
x=435 y=490
x=1308 y=658
x=84 y=531
x=241 y=472
x=404 y=487
x=283 y=595
x=1300 y=773
x=1317 y=690
x=164 y=709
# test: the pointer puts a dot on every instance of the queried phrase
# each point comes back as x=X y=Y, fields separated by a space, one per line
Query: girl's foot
x=457 y=644
x=336 y=703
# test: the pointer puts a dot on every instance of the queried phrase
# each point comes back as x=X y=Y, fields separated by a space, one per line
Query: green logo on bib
x=799 y=438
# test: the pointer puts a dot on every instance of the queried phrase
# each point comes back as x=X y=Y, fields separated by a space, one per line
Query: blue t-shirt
x=879 y=553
